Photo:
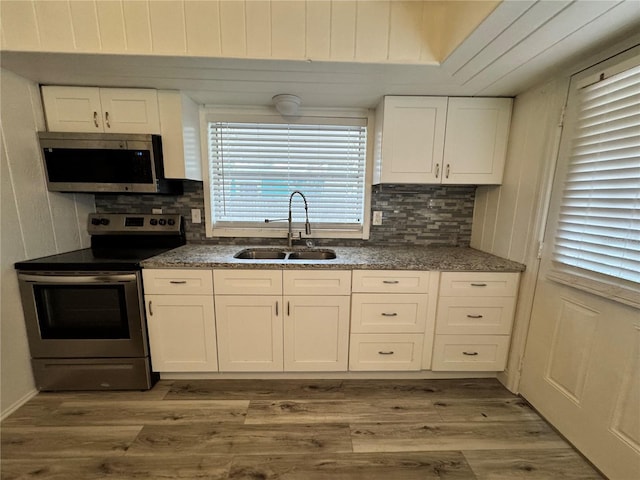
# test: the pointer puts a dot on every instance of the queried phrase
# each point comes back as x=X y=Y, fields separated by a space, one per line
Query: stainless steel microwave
x=105 y=163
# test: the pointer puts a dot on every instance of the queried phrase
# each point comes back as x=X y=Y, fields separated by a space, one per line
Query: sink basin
x=312 y=255
x=277 y=254
x=260 y=254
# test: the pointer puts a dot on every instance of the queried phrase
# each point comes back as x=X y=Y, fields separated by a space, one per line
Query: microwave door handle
x=68 y=279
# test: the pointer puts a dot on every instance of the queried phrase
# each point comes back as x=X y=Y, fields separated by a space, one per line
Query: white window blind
x=254 y=167
x=599 y=223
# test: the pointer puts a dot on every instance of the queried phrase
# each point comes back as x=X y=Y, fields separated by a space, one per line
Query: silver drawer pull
x=470 y=354
x=386 y=353
x=474 y=316
x=389 y=314
x=478 y=284
x=178 y=282
x=391 y=281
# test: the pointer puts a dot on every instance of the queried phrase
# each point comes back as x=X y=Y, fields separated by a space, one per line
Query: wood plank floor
x=287 y=430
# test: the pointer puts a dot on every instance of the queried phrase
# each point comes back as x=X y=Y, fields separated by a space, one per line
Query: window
x=599 y=222
x=254 y=166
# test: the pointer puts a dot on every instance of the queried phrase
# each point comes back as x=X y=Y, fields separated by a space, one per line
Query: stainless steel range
x=84 y=310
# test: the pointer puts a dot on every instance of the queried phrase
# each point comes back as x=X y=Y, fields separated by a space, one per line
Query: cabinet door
x=413 y=133
x=182 y=333
x=130 y=110
x=249 y=332
x=72 y=109
x=316 y=333
x=476 y=141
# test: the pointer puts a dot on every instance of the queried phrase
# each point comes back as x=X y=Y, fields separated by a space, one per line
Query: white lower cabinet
x=180 y=320
x=474 y=319
x=316 y=333
x=268 y=320
x=392 y=320
x=249 y=333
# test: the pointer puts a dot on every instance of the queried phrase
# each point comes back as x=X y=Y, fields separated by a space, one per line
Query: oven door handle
x=66 y=279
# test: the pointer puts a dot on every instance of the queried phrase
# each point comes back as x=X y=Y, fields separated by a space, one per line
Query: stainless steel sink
x=312 y=255
x=278 y=254
x=260 y=254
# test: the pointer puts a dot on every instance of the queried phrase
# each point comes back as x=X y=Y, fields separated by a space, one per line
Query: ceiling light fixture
x=286 y=104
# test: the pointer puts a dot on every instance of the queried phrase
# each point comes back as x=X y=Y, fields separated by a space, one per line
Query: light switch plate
x=377 y=217
x=195 y=215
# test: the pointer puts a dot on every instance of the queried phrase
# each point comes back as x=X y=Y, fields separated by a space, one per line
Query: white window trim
x=212 y=113
x=615 y=289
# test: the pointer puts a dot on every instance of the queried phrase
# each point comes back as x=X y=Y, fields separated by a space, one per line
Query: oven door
x=84 y=315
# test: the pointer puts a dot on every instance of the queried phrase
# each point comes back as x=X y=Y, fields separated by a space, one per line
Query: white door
x=72 y=109
x=316 y=333
x=130 y=110
x=182 y=333
x=581 y=367
x=249 y=333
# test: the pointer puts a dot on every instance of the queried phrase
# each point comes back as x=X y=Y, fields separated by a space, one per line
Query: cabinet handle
x=288 y=310
x=389 y=314
x=386 y=353
x=448 y=169
x=95 y=119
x=474 y=316
x=276 y=308
x=106 y=117
x=150 y=309
x=437 y=170
x=470 y=354
x=478 y=284
x=178 y=282
x=392 y=282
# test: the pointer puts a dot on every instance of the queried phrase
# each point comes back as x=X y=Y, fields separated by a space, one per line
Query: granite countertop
x=371 y=258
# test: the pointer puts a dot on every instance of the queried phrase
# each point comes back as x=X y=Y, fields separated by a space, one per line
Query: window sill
x=273 y=233
x=627 y=295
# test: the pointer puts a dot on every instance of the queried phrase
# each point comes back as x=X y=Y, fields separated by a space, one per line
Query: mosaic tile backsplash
x=411 y=214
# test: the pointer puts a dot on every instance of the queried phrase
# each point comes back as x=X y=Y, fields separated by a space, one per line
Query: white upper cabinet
x=433 y=140
x=410 y=139
x=109 y=110
x=475 y=145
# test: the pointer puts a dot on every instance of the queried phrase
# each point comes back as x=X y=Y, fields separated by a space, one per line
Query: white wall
x=34 y=223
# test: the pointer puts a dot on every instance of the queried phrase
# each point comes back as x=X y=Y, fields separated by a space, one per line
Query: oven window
x=81 y=311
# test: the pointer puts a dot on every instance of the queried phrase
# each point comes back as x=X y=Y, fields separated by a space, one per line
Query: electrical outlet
x=156 y=211
x=195 y=215
x=377 y=217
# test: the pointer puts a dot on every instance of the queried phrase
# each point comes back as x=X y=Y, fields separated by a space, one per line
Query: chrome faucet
x=307 y=225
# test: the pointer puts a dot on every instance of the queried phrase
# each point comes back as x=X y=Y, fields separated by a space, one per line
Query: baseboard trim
x=423 y=375
x=17 y=404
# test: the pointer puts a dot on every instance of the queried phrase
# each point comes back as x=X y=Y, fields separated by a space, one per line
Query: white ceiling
x=517 y=46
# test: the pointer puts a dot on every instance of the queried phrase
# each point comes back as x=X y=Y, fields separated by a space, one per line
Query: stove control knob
x=104 y=221
x=162 y=221
x=95 y=221
x=171 y=221
x=153 y=221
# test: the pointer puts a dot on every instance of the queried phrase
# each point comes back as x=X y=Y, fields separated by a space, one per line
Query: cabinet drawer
x=172 y=281
x=310 y=282
x=248 y=282
x=385 y=352
x=478 y=284
x=388 y=313
x=390 y=281
x=470 y=353
x=475 y=315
